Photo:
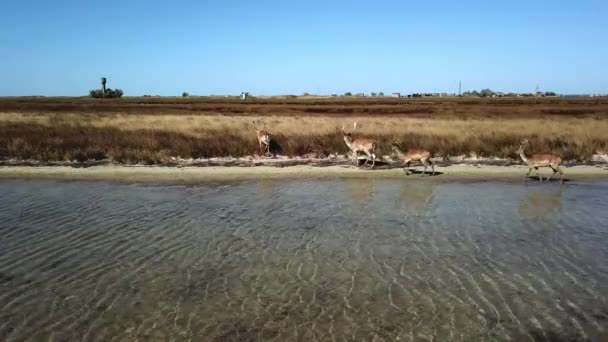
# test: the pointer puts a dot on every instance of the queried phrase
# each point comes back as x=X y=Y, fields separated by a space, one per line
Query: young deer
x=409 y=156
x=364 y=145
x=264 y=138
x=541 y=160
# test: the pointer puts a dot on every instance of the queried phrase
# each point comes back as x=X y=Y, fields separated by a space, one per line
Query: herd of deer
x=368 y=146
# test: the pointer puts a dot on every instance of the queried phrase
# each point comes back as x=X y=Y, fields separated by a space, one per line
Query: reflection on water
x=541 y=203
x=415 y=196
x=353 y=259
x=360 y=191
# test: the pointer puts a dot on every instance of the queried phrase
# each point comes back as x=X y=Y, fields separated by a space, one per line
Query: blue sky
x=284 y=47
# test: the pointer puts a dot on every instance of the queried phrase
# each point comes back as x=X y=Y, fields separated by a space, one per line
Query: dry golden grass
x=86 y=129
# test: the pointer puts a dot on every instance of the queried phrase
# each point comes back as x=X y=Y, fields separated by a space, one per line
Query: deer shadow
x=379 y=164
x=387 y=165
x=428 y=172
x=545 y=180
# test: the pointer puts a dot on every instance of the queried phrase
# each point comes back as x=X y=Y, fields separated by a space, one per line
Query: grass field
x=151 y=130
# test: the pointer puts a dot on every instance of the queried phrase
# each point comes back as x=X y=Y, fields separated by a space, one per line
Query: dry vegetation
x=150 y=130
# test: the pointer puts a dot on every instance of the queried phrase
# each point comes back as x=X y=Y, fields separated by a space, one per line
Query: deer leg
x=407 y=168
x=538 y=175
x=554 y=172
x=428 y=163
x=528 y=174
x=369 y=155
x=425 y=166
x=561 y=174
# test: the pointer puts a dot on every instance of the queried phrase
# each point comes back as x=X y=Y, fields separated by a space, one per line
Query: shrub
x=486 y=92
x=110 y=93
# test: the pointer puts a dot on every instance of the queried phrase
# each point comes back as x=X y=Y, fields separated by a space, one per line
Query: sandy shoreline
x=219 y=173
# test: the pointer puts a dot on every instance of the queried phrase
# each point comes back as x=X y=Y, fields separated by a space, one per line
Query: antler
x=254 y=126
x=352 y=130
x=394 y=141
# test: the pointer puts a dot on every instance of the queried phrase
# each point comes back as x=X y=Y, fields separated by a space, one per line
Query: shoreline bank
x=186 y=174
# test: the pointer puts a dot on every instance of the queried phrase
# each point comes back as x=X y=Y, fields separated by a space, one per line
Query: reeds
x=72 y=132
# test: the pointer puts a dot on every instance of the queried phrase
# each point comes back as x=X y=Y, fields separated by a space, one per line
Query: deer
x=409 y=156
x=360 y=144
x=264 y=138
x=541 y=160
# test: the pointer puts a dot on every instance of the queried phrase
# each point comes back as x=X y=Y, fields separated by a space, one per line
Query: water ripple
x=352 y=259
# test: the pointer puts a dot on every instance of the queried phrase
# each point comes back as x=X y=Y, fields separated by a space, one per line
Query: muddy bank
x=323 y=169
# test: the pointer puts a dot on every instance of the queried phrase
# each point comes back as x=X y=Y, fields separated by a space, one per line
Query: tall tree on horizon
x=103 y=86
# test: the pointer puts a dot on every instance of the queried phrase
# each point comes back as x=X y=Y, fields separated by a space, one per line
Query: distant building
x=396 y=94
x=245 y=95
x=360 y=95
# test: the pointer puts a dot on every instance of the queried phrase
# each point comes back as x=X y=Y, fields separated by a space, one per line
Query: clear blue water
x=343 y=259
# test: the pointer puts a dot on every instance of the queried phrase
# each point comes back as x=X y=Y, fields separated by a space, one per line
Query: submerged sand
x=219 y=173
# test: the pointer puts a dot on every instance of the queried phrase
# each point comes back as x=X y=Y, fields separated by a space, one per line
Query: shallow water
x=351 y=259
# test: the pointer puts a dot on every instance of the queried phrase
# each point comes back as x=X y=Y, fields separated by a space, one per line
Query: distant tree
x=103 y=86
x=380 y=94
x=185 y=94
x=471 y=93
x=486 y=92
x=110 y=93
x=103 y=92
x=348 y=93
x=550 y=93
x=374 y=94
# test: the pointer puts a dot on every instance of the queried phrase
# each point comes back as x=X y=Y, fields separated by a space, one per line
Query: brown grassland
x=151 y=130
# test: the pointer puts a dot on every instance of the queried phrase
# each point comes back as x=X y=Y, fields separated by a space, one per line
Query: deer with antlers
x=360 y=144
x=541 y=160
x=409 y=156
x=264 y=138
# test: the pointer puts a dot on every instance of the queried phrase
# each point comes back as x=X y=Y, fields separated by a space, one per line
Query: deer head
x=524 y=144
x=257 y=129
x=395 y=143
x=348 y=134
